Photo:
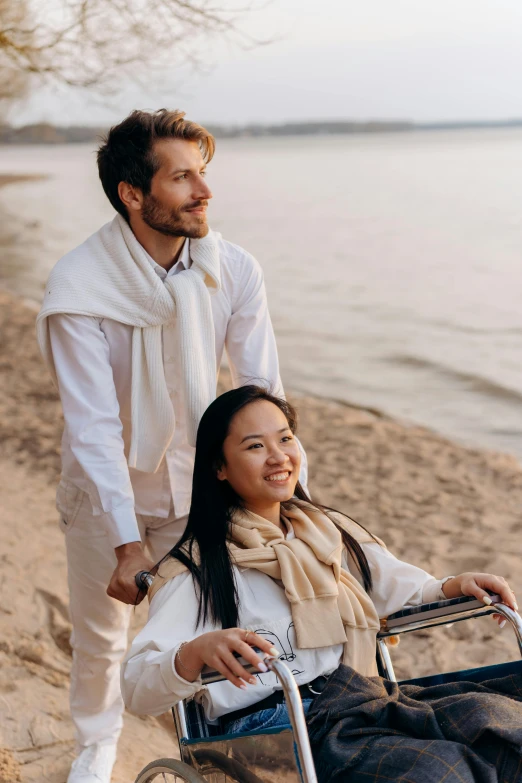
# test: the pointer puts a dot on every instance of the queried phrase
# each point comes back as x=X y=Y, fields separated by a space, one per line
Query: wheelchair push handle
x=143 y=580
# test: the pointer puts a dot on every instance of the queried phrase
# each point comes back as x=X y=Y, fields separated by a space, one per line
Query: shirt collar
x=181 y=264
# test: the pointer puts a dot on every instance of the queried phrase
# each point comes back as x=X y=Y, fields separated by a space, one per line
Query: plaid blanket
x=371 y=730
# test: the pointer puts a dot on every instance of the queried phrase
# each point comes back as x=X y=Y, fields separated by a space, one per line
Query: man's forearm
x=125 y=551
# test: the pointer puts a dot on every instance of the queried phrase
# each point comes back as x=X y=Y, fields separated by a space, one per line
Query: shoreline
x=445 y=507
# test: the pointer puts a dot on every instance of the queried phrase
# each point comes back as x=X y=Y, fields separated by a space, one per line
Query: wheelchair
x=283 y=754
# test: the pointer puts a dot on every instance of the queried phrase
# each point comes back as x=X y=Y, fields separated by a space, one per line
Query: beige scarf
x=110 y=276
x=329 y=606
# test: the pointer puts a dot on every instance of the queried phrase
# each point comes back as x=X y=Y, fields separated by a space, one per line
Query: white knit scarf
x=110 y=276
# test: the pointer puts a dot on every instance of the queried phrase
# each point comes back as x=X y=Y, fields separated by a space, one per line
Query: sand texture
x=437 y=504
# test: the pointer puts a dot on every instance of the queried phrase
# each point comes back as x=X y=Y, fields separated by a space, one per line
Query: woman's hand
x=478 y=586
x=216 y=649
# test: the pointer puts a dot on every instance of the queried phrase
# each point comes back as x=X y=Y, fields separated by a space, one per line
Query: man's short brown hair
x=127 y=153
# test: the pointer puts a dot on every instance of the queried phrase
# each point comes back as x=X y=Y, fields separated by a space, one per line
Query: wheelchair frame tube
x=297 y=718
x=295 y=711
x=515 y=620
x=385 y=660
x=180 y=721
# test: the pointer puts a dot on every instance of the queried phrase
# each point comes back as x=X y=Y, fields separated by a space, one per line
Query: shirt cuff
x=122 y=526
x=183 y=689
x=433 y=591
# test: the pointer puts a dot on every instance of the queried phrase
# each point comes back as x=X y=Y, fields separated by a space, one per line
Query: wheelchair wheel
x=234 y=771
x=169 y=771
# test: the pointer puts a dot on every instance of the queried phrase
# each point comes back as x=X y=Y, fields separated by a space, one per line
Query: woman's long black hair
x=214 y=502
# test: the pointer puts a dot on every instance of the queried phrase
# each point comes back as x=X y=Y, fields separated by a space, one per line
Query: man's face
x=177 y=203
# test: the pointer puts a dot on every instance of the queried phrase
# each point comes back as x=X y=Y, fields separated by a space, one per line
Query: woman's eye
x=255 y=446
x=286 y=438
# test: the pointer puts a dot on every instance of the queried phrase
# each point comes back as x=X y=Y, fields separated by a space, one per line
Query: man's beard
x=173 y=223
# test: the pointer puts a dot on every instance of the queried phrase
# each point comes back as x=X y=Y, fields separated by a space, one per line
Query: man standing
x=133 y=327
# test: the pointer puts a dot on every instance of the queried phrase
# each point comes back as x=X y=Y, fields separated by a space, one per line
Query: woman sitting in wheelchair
x=262 y=566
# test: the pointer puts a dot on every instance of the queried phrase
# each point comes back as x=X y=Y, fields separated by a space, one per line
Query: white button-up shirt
x=93 y=364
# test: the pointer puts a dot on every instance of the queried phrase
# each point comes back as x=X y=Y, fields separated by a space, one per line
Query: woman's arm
x=397 y=584
x=165 y=660
x=216 y=649
x=477 y=585
x=150 y=682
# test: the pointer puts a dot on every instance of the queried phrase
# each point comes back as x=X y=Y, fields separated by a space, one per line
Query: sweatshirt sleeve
x=150 y=684
x=397 y=584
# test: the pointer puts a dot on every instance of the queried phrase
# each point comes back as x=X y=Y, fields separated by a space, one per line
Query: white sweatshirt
x=150 y=683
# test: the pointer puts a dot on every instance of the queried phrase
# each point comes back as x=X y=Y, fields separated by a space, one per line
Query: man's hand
x=131 y=560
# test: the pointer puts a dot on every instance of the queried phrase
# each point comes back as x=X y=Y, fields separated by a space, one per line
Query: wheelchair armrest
x=209 y=675
x=452 y=610
x=436 y=613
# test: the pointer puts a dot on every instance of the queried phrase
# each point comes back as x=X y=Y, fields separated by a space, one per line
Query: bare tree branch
x=83 y=43
x=14 y=82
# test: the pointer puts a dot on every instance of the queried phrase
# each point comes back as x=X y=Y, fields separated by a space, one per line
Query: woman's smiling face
x=262 y=457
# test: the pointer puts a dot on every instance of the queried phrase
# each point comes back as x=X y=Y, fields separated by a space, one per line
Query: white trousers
x=100 y=624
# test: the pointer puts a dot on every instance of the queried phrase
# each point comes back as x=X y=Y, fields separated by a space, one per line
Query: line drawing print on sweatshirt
x=288 y=655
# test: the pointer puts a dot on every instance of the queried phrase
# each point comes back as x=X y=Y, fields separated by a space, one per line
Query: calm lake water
x=392 y=262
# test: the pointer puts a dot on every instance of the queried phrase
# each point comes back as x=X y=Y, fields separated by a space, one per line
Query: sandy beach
x=440 y=505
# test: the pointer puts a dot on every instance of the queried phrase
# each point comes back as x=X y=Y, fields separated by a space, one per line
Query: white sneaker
x=93 y=765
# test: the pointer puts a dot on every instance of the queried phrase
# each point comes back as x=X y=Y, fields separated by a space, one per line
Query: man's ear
x=132 y=197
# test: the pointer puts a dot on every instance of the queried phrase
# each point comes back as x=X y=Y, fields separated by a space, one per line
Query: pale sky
x=384 y=59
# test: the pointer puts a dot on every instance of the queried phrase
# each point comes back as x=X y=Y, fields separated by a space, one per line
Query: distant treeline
x=317 y=128
x=43 y=133
x=50 y=134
